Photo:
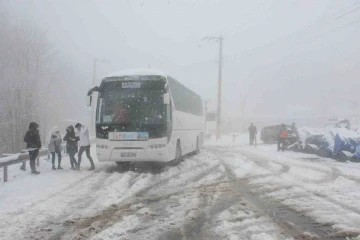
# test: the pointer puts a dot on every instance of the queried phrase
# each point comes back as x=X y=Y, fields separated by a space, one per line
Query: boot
x=59 y=164
x=53 y=167
x=33 y=171
x=92 y=164
x=78 y=166
x=73 y=165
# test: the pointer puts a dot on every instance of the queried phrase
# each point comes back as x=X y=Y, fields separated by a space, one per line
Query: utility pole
x=206 y=101
x=218 y=112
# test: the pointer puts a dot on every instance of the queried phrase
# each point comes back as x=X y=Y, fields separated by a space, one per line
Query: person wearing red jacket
x=121 y=114
x=282 y=137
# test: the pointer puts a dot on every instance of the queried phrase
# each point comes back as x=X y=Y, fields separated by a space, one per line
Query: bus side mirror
x=166 y=98
x=89 y=97
x=88 y=100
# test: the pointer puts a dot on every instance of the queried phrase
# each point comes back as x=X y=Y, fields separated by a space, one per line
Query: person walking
x=33 y=143
x=83 y=134
x=252 y=134
x=71 y=145
x=282 y=137
x=55 y=147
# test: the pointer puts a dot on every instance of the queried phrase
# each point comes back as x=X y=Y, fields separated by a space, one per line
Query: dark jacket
x=252 y=130
x=71 y=140
x=32 y=136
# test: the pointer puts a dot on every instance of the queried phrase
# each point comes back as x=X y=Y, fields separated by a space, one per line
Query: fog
x=289 y=59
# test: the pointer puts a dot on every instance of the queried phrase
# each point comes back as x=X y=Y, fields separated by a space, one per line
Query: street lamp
x=94 y=69
x=218 y=112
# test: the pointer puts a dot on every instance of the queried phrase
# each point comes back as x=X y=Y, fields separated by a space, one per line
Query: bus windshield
x=119 y=105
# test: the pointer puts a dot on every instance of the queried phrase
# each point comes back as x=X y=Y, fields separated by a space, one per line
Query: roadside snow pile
x=310 y=135
x=338 y=143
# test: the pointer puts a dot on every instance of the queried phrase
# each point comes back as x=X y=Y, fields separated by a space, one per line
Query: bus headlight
x=156 y=146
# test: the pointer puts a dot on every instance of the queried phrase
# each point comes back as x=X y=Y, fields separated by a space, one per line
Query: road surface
x=228 y=191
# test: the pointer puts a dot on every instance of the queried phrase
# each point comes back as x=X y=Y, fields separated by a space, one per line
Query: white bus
x=146 y=115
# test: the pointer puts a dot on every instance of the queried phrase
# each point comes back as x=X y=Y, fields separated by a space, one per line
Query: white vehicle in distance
x=146 y=116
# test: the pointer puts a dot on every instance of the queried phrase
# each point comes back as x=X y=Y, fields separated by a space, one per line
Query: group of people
x=281 y=138
x=74 y=137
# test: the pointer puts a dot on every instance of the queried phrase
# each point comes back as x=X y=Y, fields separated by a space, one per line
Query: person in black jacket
x=252 y=134
x=33 y=143
x=71 y=145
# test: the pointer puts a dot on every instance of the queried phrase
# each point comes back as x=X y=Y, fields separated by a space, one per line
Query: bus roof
x=137 y=72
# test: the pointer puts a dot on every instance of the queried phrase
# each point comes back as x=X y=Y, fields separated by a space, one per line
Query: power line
x=310 y=27
x=246 y=24
x=238 y=25
x=332 y=30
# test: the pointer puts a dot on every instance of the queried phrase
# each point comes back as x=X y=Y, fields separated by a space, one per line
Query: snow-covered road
x=228 y=191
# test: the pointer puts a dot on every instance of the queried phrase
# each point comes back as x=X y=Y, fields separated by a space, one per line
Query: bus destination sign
x=130 y=85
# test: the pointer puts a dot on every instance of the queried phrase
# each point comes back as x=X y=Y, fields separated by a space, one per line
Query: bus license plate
x=128 y=154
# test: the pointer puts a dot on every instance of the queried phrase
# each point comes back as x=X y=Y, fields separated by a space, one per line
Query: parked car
x=270 y=134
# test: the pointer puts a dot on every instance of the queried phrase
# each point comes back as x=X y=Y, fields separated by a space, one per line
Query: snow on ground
x=228 y=191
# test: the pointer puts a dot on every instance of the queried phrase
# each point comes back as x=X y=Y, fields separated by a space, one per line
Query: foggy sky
x=314 y=73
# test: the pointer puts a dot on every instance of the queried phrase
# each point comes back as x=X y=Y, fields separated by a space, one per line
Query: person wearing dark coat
x=71 y=145
x=252 y=134
x=33 y=143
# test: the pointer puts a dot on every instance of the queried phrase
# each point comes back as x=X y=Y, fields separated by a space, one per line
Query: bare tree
x=26 y=66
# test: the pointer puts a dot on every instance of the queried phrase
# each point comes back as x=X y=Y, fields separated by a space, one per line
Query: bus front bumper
x=133 y=155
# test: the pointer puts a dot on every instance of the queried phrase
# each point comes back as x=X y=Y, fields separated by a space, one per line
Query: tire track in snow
x=61 y=222
x=114 y=213
x=282 y=215
x=313 y=194
x=54 y=195
x=330 y=177
x=294 y=224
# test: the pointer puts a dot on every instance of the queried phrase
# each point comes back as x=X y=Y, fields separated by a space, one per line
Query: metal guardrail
x=11 y=159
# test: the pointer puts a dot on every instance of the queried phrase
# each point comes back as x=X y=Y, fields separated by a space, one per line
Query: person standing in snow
x=83 y=134
x=282 y=137
x=252 y=134
x=294 y=131
x=33 y=143
x=55 y=147
x=71 y=145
